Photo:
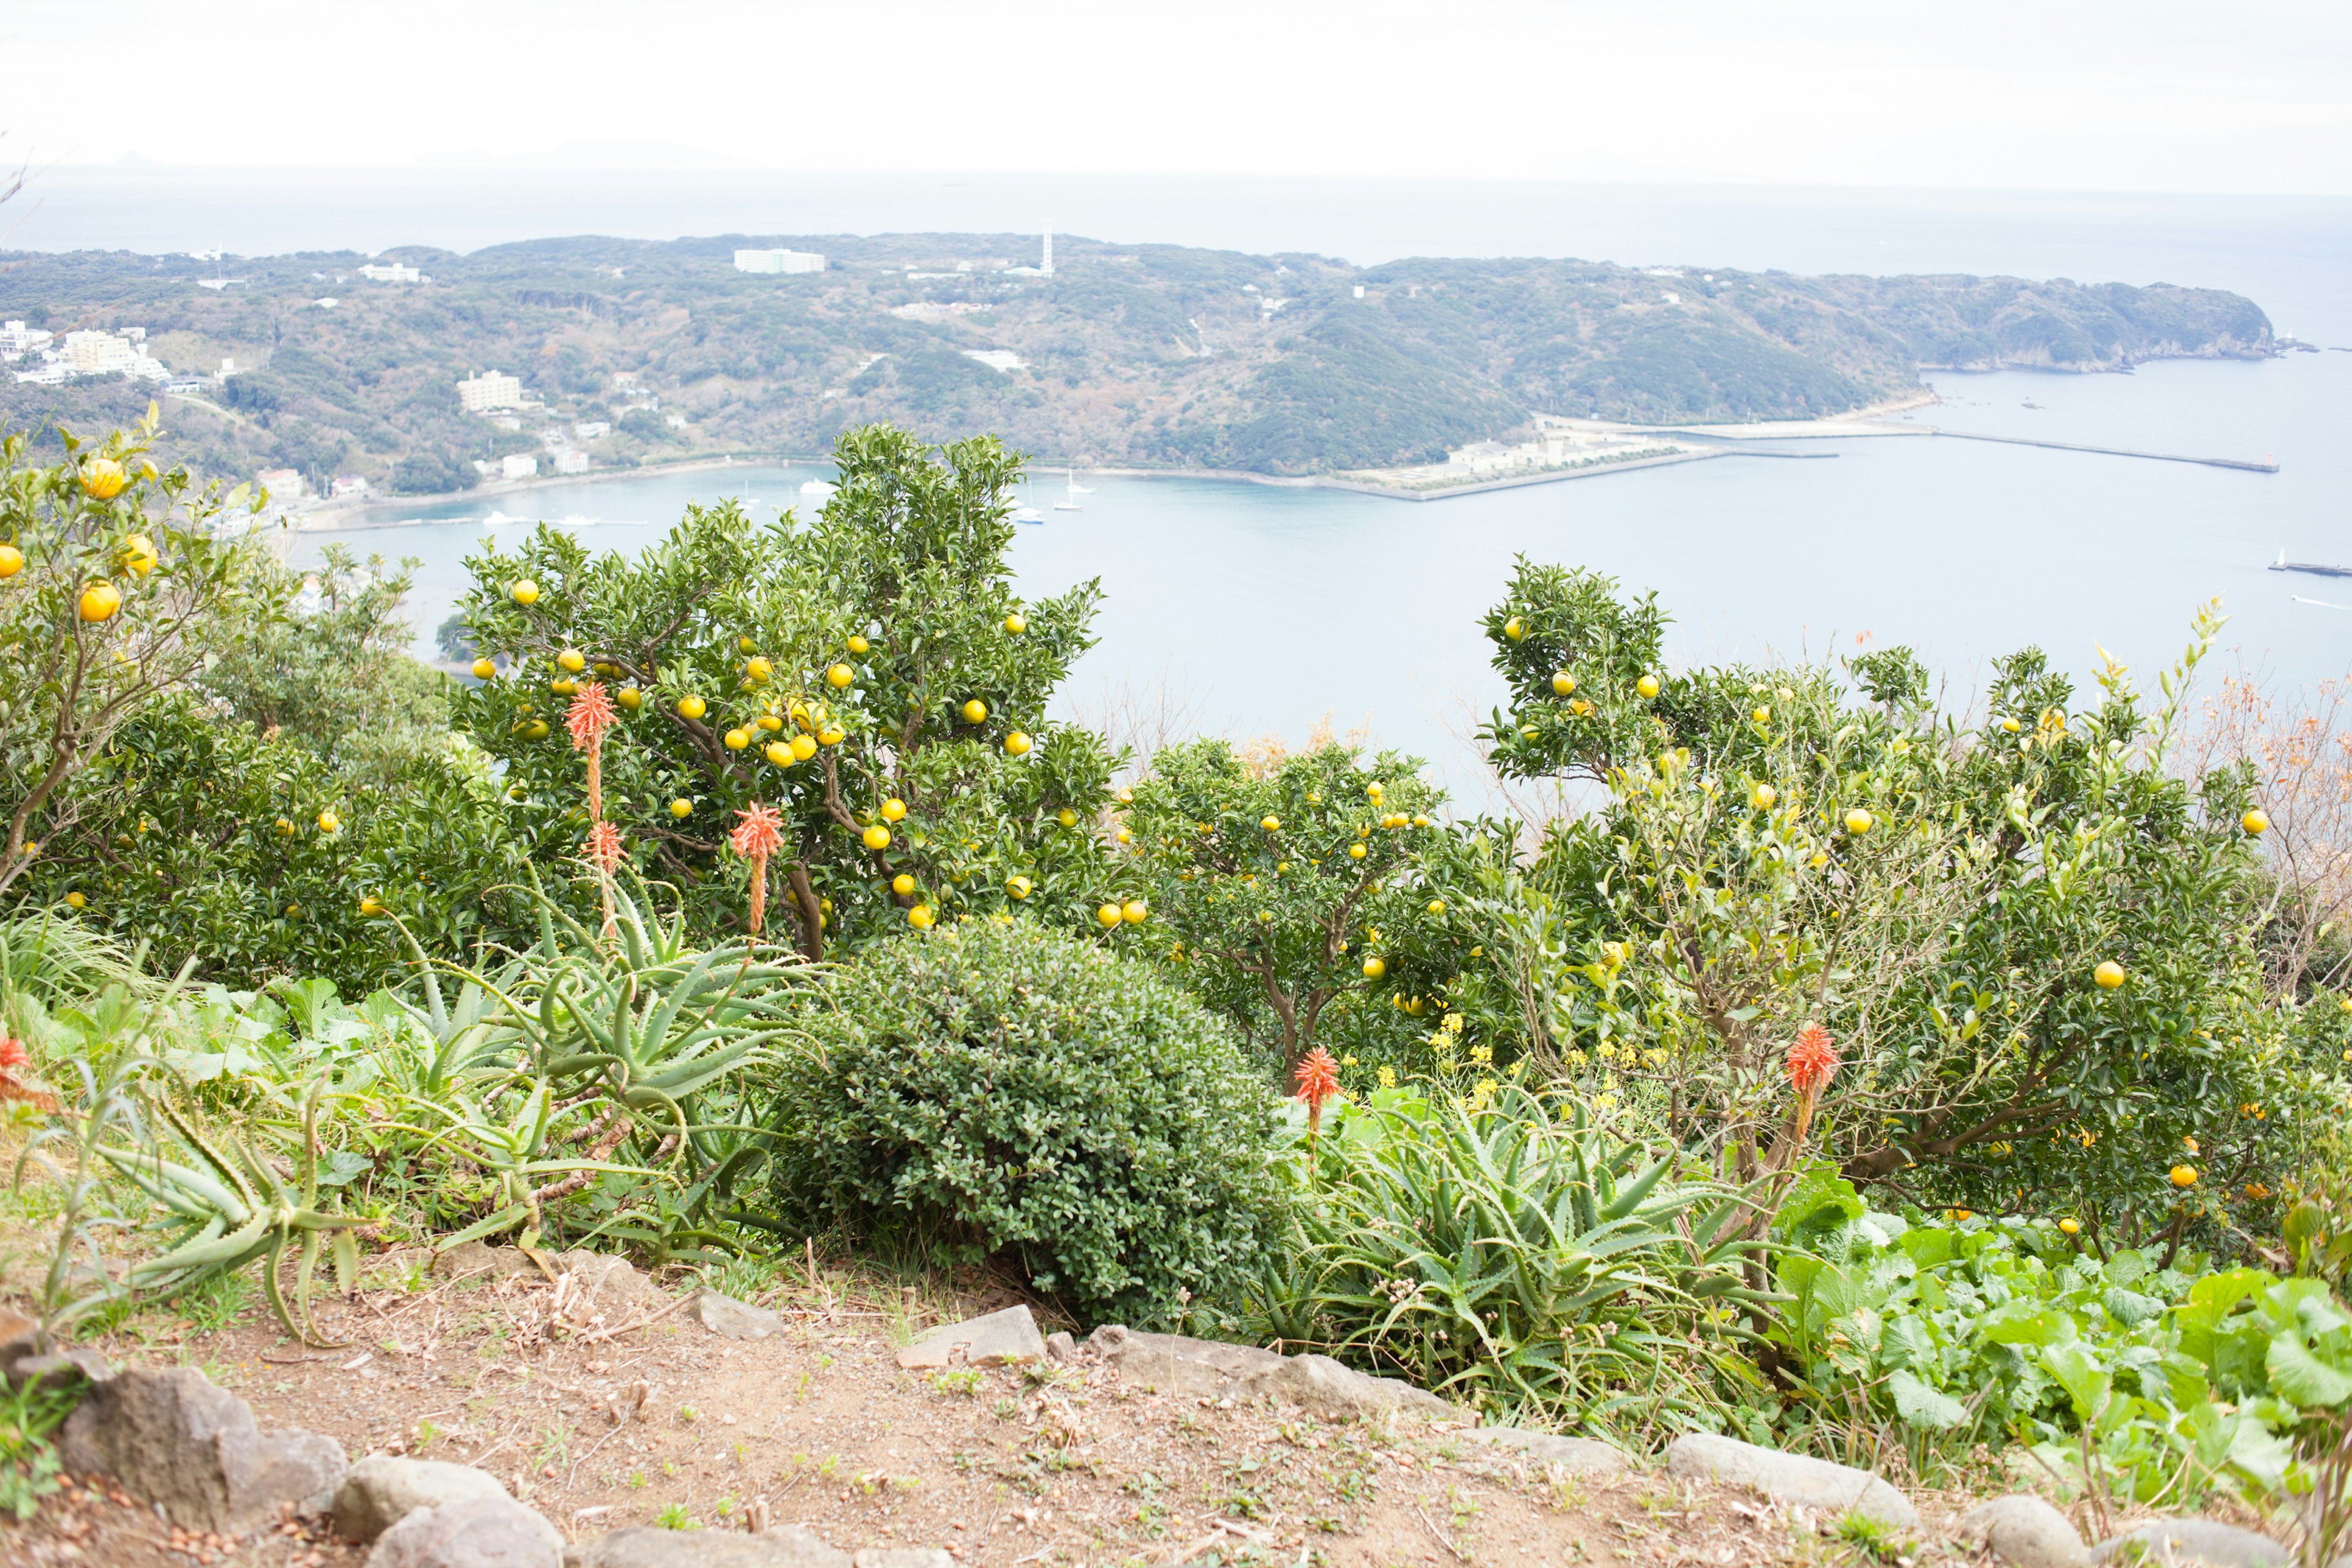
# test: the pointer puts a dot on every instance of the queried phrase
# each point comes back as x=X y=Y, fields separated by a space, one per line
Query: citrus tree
x=1296 y=896
x=870 y=675
x=118 y=583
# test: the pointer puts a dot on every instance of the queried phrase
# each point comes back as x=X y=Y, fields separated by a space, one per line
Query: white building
x=522 y=465
x=97 y=354
x=593 y=429
x=283 y=484
x=675 y=421
x=16 y=338
x=391 y=272
x=574 y=461
x=995 y=359
x=492 y=389
x=779 y=262
x=347 y=486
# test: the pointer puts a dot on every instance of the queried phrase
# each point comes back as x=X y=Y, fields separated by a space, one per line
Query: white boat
x=1027 y=514
x=817 y=490
x=1077 y=490
x=496 y=519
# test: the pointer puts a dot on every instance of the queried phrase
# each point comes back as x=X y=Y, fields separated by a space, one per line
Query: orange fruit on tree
x=893 y=809
x=1648 y=686
x=1016 y=744
x=858 y=645
x=1563 y=683
x=877 y=837
x=1019 y=887
x=99 y=601
x=1514 y=629
x=902 y=884
x=780 y=754
x=2184 y=1175
x=1014 y=624
x=2109 y=974
x=921 y=918
x=1109 y=916
x=1859 y=822
x=484 y=670
x=630 y=698
x=831 y=735
x=1374 y=967
x=839 y=676
x=524 y=591
x=103 y=478
x=572 y=660
x=1135 y=911
x=681 y=808
x=138 y=555
x=692 y=707
x=2256 y=822
x=975 y=711
x=2071 y=1226
x=12 y=561
x=803 y=747
x=738 y=739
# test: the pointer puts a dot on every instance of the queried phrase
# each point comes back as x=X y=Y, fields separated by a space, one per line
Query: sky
x=2152 y=95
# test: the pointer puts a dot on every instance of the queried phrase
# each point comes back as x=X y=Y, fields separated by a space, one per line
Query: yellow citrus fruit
x=1563 y=683
x=2109 y=974
x=831 y=735
x=564 y=688
x=1512 y=629
x=1762 y=796
x=1109 y=915
x=746 y=645
x=1762 y=715
x=1355 y=851
x=779 y=754
x=1374 y=968
x=839 y=676
x=369 y=907
x=1271 y=824
x=1648 y=686
x=1016 y=744
x=328 y=822
x=1067 y=818
x=137 y=554
x=803 y=747
x=102 y=478
x=1437 y=905
x=573 y=660
x=921 y=918
x=630 y=698
x=974 y=711
x=2071 y=1226
x=524 y=592
x=286 y=829
x=858 y=645
x=1372 y=791
x=902 y=884
x=692 y=707
x=2184 y=1175
x=1124 y=836
x=1014 y=624
x=2256 y=821
x=893 y=809
x=1420 y=822
x=2010 y=725
x=536 y=730
x=769 y=721
x=738 y=739
x=877 y=837
x=757 y=671
x=99 y=601
x=12 y=561
x=1019 y=887
x=681 y=808
x=76 y=900
x=1135 y=911
x=484 y=669
x=1858 y=821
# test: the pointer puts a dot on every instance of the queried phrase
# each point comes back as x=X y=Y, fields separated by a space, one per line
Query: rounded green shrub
x=997 y=1090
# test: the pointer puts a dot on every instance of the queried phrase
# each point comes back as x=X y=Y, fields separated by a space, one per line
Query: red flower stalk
x=604 y=845
x=13 y=1054
x=1319 y=1081
x=591 y=714
x=1813 y=1061
x=760 y=834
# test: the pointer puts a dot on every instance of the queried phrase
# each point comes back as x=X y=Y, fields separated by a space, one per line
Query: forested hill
x=1145 y=354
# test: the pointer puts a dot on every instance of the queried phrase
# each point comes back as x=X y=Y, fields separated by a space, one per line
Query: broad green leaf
x=1921 y=1405
x=2299 y=1376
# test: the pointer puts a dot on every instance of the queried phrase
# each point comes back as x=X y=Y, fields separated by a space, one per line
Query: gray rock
x=1008 y=1338
x=1176 y=1365
x=2202 y=1541
x=2025 y=1531
x=1323 y=1388
x=904 y=1557
x=493 y=1262
x=786 y=1546
x=733 y=1319
x=1061 y=1347
x=1579 y=1455
x=19 y=1336
x=480 y=1532
x=171 y=1437
x=1788 y=1478
x=611 y=1286
x=59 y=1369
x=380 y=1490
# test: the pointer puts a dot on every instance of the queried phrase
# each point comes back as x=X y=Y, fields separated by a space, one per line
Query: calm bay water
x=1272 y=607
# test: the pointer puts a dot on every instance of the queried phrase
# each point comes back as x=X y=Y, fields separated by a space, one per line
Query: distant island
x=338 y=367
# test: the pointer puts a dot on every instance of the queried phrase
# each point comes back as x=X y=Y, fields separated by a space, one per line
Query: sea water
x=1264 y=609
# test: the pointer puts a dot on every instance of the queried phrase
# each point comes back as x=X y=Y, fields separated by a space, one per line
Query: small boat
x=817 y=490
x=496 y=519
x=2283 y=564
x=1075 y=490
x=1027 y=514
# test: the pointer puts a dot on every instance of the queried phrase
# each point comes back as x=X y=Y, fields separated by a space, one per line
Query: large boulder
x=730 y=1319
x=1577 y=1456
x=171 y=1437
x=1009 y=1338
x=607 y=1286
x=2023 y=1531
x=1788 y=1478
x=788 y=1546
x=479 y=1532
x=1321 y=1387
x=2187 y=1541
x=381 y=1489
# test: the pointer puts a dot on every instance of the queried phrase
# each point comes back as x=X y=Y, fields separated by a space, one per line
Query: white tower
x=1046 y=266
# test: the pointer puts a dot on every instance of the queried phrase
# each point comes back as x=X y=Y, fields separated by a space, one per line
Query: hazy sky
x=2254 y=95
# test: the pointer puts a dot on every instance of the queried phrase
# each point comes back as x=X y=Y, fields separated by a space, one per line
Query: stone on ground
x=640 y=1546
x=1579 y=1455
x=611 y=1285
x=1330 y=1392
x=479 y=1532
x=1788 y=1478
x=484 y=1261
x=2024 y=1531
x=2198 y=1541
x=904 y=1557
x=381 y=1489
x=1175 y=1365
x=1008 y=1338
x=172 y=1438
x=730 y=1319
x=1061 y=1347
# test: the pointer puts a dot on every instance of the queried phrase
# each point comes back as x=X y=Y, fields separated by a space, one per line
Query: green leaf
x=1923 y=1406
x=2129 y=1308
x=2302 y=1378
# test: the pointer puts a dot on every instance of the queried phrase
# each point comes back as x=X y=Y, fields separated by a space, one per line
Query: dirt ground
x=612 y=1419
